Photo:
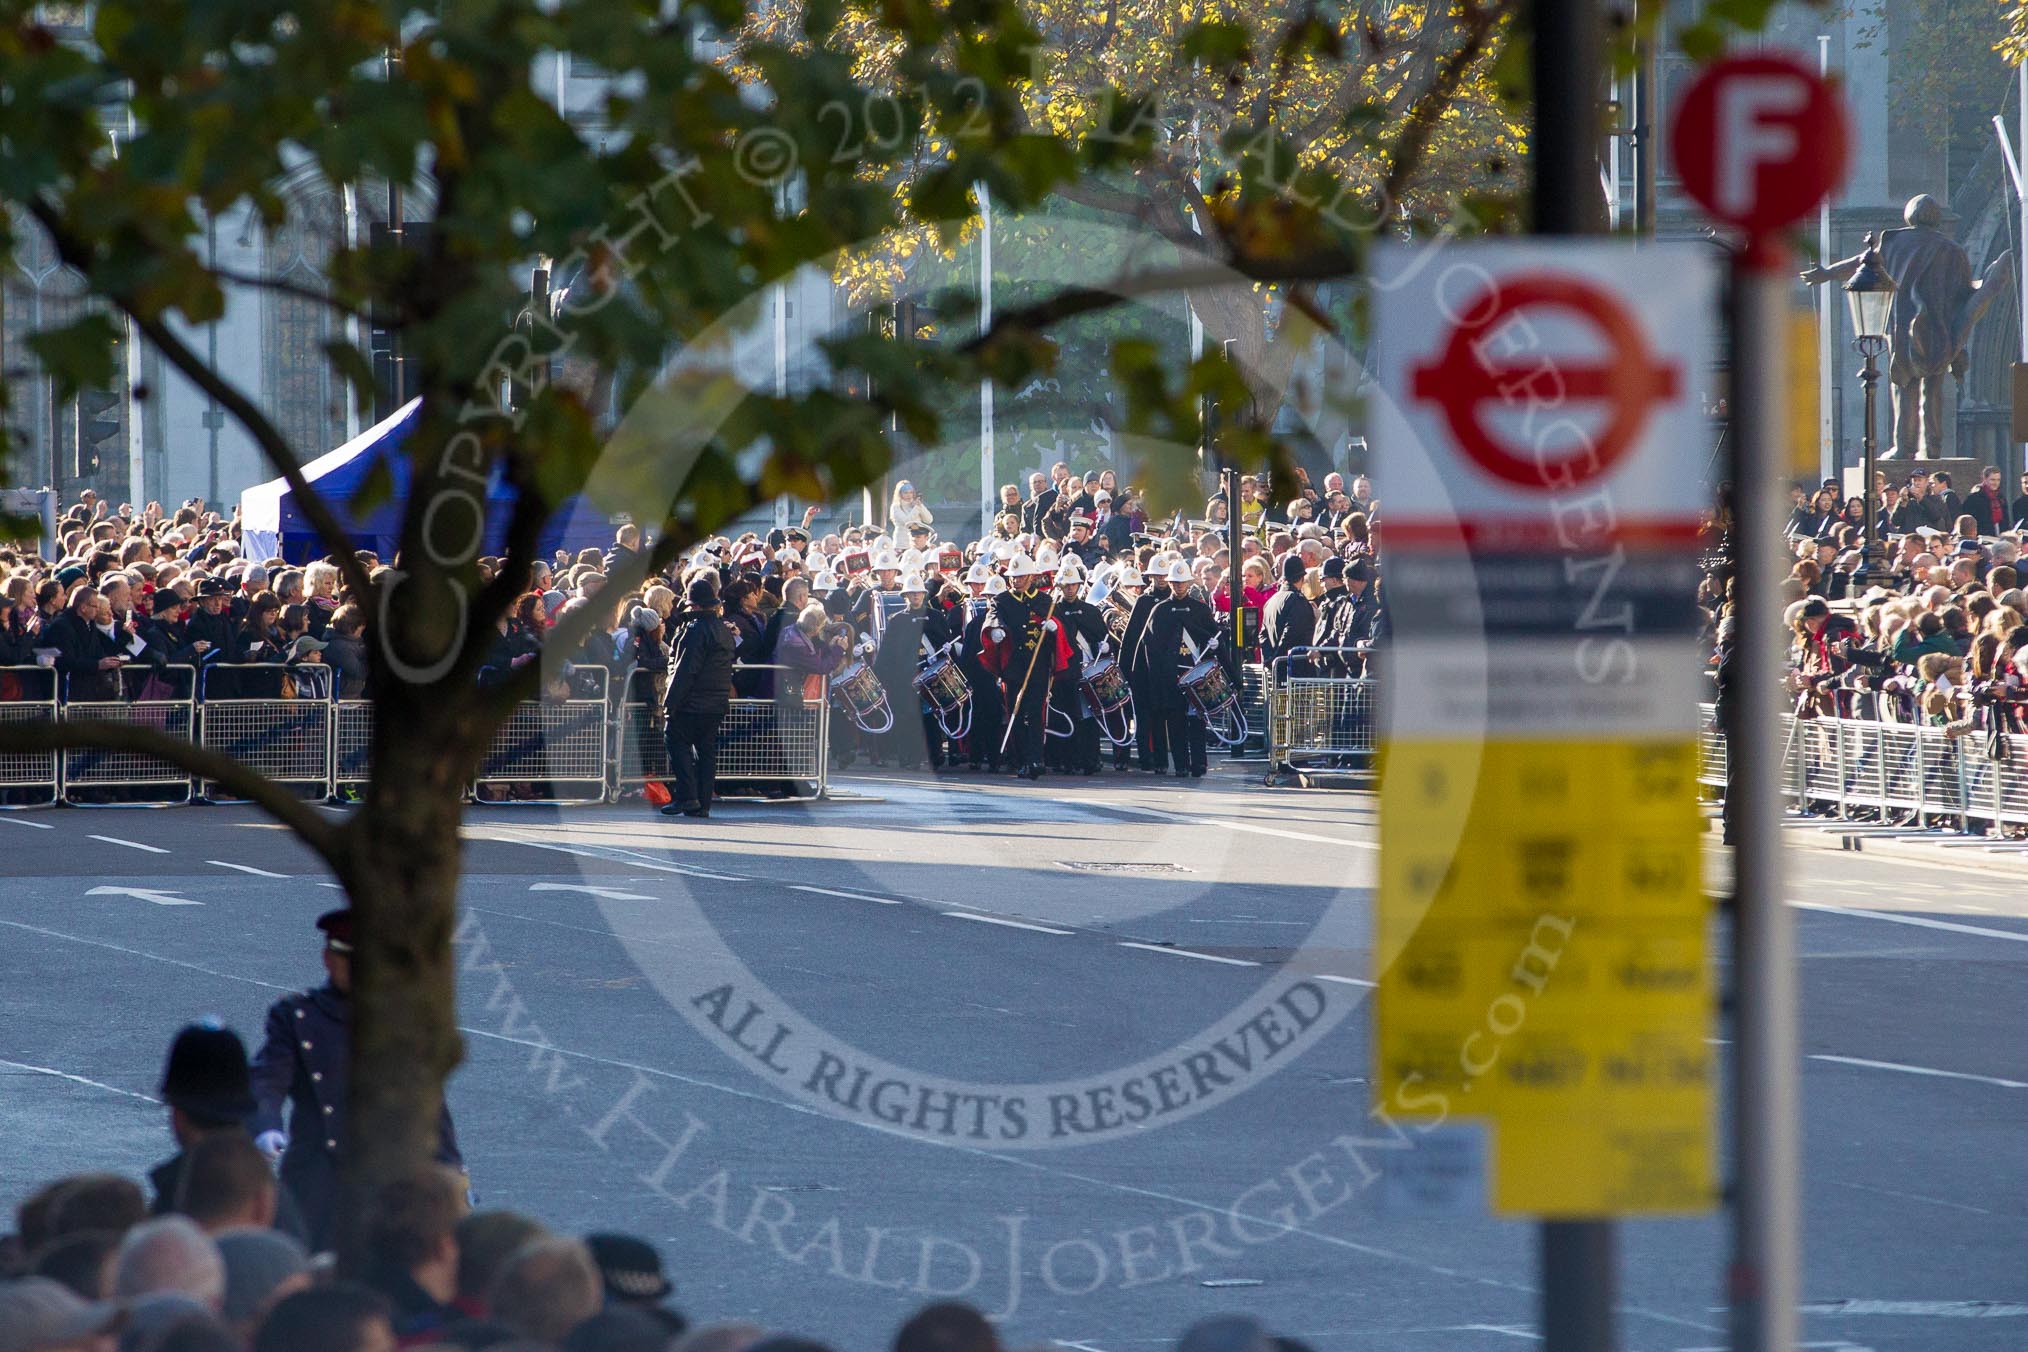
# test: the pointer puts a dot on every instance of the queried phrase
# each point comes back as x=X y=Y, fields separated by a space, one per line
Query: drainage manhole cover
x=1114 y=866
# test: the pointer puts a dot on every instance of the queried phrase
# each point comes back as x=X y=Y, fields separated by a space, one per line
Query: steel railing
x=1910 y=774
x=1318 y=724
x=29 y=778
x=785 y=737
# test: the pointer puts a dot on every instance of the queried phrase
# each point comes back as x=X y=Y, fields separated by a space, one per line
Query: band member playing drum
x=1151 y=728
x=912 y=633
x=982 y=747
x=1085 y=629
x=1181 y=633
x=1026 y=648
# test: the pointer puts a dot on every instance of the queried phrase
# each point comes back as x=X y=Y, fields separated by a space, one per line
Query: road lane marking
x=131 y=844
x=23 y=821
x=143 y=894
x=1928 y=1071
x=1188 y=953
x=1927 y=1309
x=608 y=893
x=1920 y=922
x=144 y=953
x=77 y=1079
x=1342 y=980
x=246 y=868
x=1010 y=924
x=849 y=896
x=604 y=854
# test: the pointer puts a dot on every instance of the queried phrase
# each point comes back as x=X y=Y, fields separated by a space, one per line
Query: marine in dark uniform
x=1151 y=727
x=982 y=746
x=305 y=1064
x=1085 y=629
x=912 y=632
x=1021 y=622
x=1181 y=632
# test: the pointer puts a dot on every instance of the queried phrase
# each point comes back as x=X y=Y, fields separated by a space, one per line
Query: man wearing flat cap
x=305 y=1063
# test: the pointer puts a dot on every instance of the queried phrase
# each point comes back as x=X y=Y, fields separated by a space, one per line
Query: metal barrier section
x=1318 y=724
x=351 y=745
x=286 y=739
x=760 y=739
x=162 y=698
x=1254 y=683
x=552 y=750
x=29 y=778
x=1902 y=773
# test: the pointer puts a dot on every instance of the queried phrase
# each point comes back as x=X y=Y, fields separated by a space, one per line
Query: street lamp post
x=1870 y=296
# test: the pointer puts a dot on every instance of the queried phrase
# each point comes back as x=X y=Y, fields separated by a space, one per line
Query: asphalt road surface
x=952 y=1039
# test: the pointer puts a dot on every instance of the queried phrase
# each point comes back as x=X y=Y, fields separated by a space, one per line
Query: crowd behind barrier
x=876 y=644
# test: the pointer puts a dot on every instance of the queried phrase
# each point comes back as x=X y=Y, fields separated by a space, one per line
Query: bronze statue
x=1936 y=305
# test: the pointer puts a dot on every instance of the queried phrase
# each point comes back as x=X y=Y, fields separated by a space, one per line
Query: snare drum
x=1105 y=687
x=942 y=685
x=1205 y=686
x=862 y=698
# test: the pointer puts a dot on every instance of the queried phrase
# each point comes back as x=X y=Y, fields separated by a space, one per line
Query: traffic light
x=98 y=429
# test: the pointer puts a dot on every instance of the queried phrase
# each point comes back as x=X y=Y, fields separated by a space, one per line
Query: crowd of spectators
x=147 y=603
x=210 y=1259
x=1937 y=632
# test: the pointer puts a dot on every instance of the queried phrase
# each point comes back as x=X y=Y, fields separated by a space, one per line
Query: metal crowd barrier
x=275 y=719
x=1318 y=724
x=1254 y=680
x=553 y=750
x=1905 y=773
x=762 y=740
x=351 y=746
x=29 y=778
x=163 y=698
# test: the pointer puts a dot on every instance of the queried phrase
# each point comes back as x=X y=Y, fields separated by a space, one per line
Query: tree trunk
x=405 y=859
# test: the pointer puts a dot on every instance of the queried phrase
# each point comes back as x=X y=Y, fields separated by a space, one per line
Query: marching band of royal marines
x=1072 y=636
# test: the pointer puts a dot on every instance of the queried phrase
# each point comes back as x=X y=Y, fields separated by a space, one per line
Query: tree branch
x=273 y=445
x=315 y=830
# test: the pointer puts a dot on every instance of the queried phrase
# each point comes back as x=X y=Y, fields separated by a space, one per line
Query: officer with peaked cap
x=1027 y=652
x=306 y=1064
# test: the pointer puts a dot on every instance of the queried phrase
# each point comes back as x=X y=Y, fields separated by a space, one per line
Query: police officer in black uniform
x=209 y=1093
x=1021 y=621
x=305 y=1063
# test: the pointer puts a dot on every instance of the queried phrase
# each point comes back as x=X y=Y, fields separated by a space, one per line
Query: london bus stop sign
x=1544 y=993
x=1758 y=142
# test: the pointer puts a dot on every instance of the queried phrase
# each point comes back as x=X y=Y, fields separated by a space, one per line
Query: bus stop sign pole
x=1759 y=141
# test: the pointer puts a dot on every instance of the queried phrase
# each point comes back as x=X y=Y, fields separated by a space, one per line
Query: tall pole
x=1766 y=1209
x=1579 y=1259
x=1830 y=456
x=989 y=498
x=1873 y=572
x=2021 y=271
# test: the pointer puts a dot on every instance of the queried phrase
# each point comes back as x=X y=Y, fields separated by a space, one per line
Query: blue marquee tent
x=273 y=526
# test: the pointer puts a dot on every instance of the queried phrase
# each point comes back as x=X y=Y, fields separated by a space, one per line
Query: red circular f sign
x=1624 y=380
x=1759 y=141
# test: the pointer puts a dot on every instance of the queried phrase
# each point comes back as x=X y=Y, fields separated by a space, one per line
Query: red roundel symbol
x=1472 y=379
